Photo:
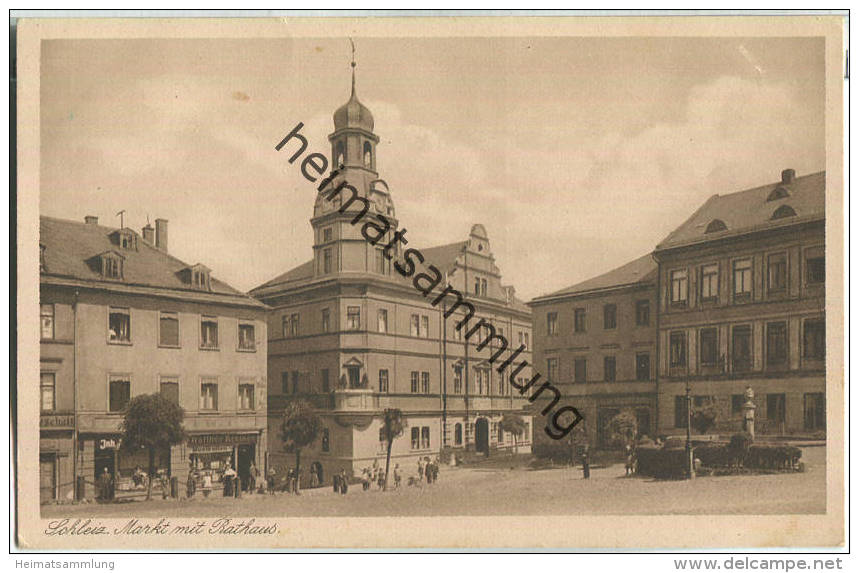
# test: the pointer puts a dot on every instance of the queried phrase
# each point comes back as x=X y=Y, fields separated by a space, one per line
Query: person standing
x=207 y=483
x=435 y=465
x=421 y=469
x=191 y=485
x=586 y=464
x=344 y=482
x=164 y=481
x=252 y=478
x=271 y=481
x=104 y=485
x=229 y=480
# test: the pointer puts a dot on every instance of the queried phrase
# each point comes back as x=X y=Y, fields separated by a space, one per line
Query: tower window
x=339 y=155
x=368 y=154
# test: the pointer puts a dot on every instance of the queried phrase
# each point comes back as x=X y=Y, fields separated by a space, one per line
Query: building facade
x=596 y=341
x=121 y=317
x=355 y=331
x=742 y=304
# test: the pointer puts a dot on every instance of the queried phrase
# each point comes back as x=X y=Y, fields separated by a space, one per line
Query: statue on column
x=749 y=412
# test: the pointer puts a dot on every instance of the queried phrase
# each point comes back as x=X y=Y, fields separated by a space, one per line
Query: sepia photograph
x=555 y=282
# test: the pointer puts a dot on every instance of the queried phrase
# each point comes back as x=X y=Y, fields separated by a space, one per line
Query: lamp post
x=690 y=463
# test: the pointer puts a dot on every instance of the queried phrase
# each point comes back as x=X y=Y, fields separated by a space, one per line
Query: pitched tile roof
x=641 y=270
x=70 y=248
x=748 y=211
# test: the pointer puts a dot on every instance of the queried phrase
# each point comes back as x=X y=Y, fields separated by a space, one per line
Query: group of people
x=428 y=469
x=375 y=475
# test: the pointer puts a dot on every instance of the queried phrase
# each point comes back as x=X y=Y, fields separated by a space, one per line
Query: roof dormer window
x=779 y=192
x=125 y=239
x=111 y=265
x=198 y=276
x=715 y=226
x=783 y=211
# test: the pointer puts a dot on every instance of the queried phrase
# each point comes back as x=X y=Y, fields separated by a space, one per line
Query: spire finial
x=353 y=66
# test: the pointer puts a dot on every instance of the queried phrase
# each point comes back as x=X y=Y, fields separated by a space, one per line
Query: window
x=326 y=261
x=783 y=211
x=111 y=266
x=295 y=378
x=295 y=324
x=815 y=266
x=170 y=388
x=383 y=381
x=247 y=340
x=416 y=438
x=368 y=154
x=47 y=392
x=327 y=234
x=776 y=343
x=500 y=434
x=737 y=401
x=209 y=332
x=482 y=287
x=776 y=408
x=415 y=325
x=46 y=312
x=502 y=386
x=581 y=370
x=814 y=339
x=743 y=279
x=120 y=393
x=741 y=351
x=457 y=379
x=777 y=272
x=609 y=368
x=415 y=387
x=425 y=438
x=609 y=316
x=246 y=396
x=119 y=325
x=710 y=282
x=326 y=440
x=679 y=286
x=326 y=320
x=383 y=265
x=326 y=381
x=814 y=408
x=642 y=313
x=425 y=326
x=680 y=410
x=425 y=386
x=642 y=367
x=168 y=329
x=284 y=326
x=353 y=318
x=551 y=369
x=677 y=348
x=284 y=382
x=457 y=435
x=383 y=320
x=715 y=226
x=709 y=346
x=526 y=340
x=209 y=395
x=551 y=323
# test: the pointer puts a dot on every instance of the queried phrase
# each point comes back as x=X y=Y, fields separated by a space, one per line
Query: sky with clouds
x=576 y=154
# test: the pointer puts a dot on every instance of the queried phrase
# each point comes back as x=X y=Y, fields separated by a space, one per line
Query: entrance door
x=604 y=416
x=243 y=464
x=47 y=479
x=481 y=435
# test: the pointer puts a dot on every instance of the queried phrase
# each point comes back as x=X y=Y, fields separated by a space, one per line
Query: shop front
x=211 y=454
x=127 y=471
x=56 y=446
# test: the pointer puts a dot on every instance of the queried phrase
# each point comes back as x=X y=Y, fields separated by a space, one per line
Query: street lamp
x=690 y=463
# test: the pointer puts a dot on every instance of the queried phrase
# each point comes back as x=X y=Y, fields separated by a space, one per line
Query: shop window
x=353 y=318
x=209 y=332
x=169 y=388
x=642 y=313
x=677 y=349
x=551 y=323
x=814 y=408
x=710 y=282
x=119 y=325
x=741 y=351
x=209 y=395
x=709 y=347
x=777 y=272
x=326 y=320
x=642 y=366
x=776 y=344
x=168 y=329
x=46 y=315
x=246 y=396
x=609 y=368
x=47 y=391
x=814 y=339
x=581 y=370
x=742 y=280
x=425 y=438
x=247 y=339
x=609 y=315
x=383 y=381
x=120 y=393
x=679 y=287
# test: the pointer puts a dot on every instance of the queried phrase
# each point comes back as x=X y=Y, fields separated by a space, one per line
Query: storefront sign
x=221 y=439
x=60 y=421
x=108 y=443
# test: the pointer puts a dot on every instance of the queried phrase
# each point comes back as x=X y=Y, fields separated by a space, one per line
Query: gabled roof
x=444 y=256
x=640 y=271
x=752 y=210
x=69 y=246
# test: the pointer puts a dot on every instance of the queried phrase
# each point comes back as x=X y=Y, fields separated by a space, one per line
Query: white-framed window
x=679 y=286
x=710 y=281
x=47 y=391
x=46 y=318
x=326 y=320
x=209 y=332
x=416 y=438
x=353 y=318
x=425 y=438
x=742 y=279
x=247 y=336
x=457 y=379
x=424 y=326
x=294 y=324
x=246 y=395
x=383 y=381
x=551 y=323
x=383 y=320
x=415 y=382
x=209 y=394
x=415 y=325
x=425 y=383
x=327 y=255
x=119 y=325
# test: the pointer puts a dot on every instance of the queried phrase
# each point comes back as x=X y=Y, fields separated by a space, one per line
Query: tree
x=299 y=427
x=704 y=416
x=152 y=422
x=514 y=424
x=393 y=426
x=623 y=427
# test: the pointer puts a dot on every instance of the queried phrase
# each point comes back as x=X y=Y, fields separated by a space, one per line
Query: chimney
x=91 y=220
x=149 y=234
x=788 y=176
x=161 y=234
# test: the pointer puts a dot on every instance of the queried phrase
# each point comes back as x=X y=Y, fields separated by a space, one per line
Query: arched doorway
x=481 y=435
